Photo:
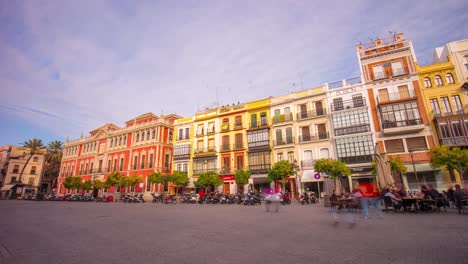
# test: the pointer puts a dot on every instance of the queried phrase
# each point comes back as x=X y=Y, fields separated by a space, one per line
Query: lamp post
x=414 y=167
x=298 y=183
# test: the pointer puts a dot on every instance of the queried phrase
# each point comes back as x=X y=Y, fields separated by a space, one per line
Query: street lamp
x=414 y=166
x=298 y=183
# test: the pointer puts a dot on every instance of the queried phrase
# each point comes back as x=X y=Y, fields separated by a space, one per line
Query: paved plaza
x=74 y=232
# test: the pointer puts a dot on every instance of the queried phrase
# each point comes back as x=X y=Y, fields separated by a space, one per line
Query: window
x=400 y=115
x=351 y=122
x=91 y=167
x=289 y=138
x=35 y=159
x=291 y=157
x=457 y=104
x=167 y=164
x=185 y=167
x=121 y=164
x=86 y=169
x=31 y=180
x=449 y=78
x=358 y=101
x=148 y=135
x=148 y=185
x=211 y=128
x=258 y=138
x=287 y=114
x=457 y=129
x=263 y=119
x=100 y=166
x=277 y=116
x=109 y=165
x=427 y=82
x=142 y=164
x=81 y=169
x=178 y=167
x=120 y=141
x=446 y=105
x=142 y=135
x=438 y=80
x=394 y=146
x=279 y=157
x=181 y=134
x=187 y=133
x=135 y=162
x=211 y=144
x=259 y=162
x=115 y=165
x=225 y=124
x=435 y=106
x=13 y=179
x=150 y=162
x=16 y=169
x=378 y=72
x=200 y=130
x=153 y=134
x=171 y=133
x=112 y=142
x=226 y=166
x=239 y=162
x=279 y=137
x=238 y=141
x=225 y=141
x=200 y=145
x=137 y=137
x=397 y=68
x=357 y=149
x=253 y=120
x=324 y=153
x=33 y=170
x=416 y=143
x=125 y=140
x=238 y=122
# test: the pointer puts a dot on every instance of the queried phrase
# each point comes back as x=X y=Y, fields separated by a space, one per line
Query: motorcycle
x=170 y=199
x=285 y=199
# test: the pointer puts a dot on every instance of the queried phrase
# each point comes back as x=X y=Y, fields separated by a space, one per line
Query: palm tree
x=53 y=158
x=30 y=148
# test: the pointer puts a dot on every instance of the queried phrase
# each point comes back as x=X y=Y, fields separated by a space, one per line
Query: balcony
x=348 y=104
x=227 y=171
x=200 y=171
x=463 y=111
x=402 y=127
x=283 y=142
x=390 y=97
x=185 y=156
x=260 y=168
x=225 y=147
x=200 y=132
x=284 y=118
x=356 y=159
x=455 y=141
x=263 y=144
x=390 y=73
x=205 y=150
x=210 y=131
x=238 y=126
x=342 y=131
x=311 y=138
x=225 y=128
x=307 y=163
x=311 y=114
x=238 y=146
x=258 y=125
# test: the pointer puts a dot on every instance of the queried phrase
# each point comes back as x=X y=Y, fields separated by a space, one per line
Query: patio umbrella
x=384 y=174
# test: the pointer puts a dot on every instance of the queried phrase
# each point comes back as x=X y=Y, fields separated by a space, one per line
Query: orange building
x=140 y=148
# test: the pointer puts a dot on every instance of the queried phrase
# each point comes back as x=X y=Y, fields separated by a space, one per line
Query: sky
x=68 y=67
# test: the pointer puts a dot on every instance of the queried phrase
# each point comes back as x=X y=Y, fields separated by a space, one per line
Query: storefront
x=312 y=182
x=424 y=174
x=229 y=186
x=260 y=183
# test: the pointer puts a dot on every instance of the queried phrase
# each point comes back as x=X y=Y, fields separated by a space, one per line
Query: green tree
x=53 y=158
x=242 y=178
x=30 y=148
x=87 y=185
x=208 y=179
x=396 y=166
x=115 y=179
x=280 y=171
x=453 y=159
x=98 y=184
x=68 y=183
x=133 y=180
x=76 y=182
x=333 y=168
x=158 y=178
x=179 y=178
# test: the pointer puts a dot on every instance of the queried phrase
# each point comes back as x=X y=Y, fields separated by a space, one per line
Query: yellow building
x=183 y=148
x=446 y=106
x=259 y=144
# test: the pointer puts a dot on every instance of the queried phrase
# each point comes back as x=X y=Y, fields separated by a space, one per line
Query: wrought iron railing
x=311 y=114
x=310 y=138
x=403 y=123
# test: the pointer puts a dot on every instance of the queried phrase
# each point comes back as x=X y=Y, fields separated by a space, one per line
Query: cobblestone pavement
x=73 y=232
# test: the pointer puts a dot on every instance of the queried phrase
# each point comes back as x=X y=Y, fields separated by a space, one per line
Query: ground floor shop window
x=423 y=177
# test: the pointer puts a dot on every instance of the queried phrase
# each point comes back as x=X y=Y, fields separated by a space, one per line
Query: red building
x=140 y=148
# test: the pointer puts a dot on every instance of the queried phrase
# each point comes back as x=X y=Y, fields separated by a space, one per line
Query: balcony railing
x=282 y=118
x=210 y=130
x=390 y=73
x=403 y=123
x=258 y=144
x=310 y=138
x=200 y=171
x=348 y=104
x=384 y=98
x=311 y=114
x=204 y=150
x=225 y=128
x=462 y=111
x=258 y=125
x=307 y=163
x=238 y=146
x=455 y=141
x=238 y=126
x=182 y=156
x=352 y=130
x=356 y=159
x=285 y=141
x=200 y=132
x=260 y=168
x=226 y=147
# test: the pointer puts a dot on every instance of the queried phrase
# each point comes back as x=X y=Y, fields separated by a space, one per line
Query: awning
x=7 y=187
x=311 y=176
x=420 y=167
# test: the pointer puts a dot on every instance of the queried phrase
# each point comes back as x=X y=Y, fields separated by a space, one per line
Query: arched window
x=125 y=140
x=324 y=153
x=137 y=137
x=427 y=82
x=449 y=78
x=438 y=80
x=112 y=142
x=143 y=136
x=153 y=136
x=170 y=135
x=147 y=135
x=120 y=141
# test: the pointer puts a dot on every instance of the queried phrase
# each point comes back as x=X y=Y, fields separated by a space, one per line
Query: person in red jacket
x=201 y=194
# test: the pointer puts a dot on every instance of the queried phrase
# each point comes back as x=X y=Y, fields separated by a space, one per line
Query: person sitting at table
x=432 y=192
x=396 y=201
x=425 y=194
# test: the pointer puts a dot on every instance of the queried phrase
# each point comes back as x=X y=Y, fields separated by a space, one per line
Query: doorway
x=319 y=108
x=227 y=188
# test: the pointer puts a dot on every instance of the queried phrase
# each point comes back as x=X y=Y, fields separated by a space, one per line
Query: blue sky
x=68 y=67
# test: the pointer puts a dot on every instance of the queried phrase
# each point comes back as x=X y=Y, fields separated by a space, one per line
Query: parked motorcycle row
x=306 y=198
x=221 y=198
x=135 y=198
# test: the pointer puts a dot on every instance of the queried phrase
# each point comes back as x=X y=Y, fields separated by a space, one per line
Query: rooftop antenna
x=300 y=78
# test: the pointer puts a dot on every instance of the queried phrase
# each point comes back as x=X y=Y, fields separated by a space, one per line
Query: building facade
x=183 y=147
x=142 y=147
x=401 y=123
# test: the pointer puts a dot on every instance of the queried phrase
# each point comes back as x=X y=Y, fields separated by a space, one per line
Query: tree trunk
x=24 y=167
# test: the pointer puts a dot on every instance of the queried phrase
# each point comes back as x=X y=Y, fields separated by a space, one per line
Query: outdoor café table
x=411 y=200
x=345 y=202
